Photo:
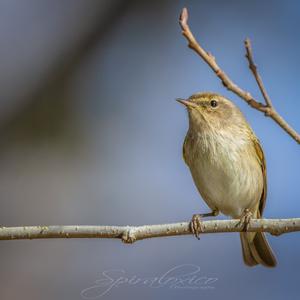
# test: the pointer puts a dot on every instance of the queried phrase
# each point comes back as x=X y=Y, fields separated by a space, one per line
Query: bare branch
x=267 y=109
x=130 y=234
x=256 y=75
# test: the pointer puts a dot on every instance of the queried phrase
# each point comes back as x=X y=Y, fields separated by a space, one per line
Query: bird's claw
x=196 y=225
x=245 y=220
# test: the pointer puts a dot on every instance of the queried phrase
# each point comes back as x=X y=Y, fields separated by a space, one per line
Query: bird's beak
x=187 y=103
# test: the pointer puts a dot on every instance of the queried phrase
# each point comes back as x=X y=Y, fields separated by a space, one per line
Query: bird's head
x=211 y=111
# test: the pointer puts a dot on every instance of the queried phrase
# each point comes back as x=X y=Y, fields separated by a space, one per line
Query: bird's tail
x=256 y=249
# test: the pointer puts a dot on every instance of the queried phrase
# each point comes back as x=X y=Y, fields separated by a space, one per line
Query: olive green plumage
x=228 y=166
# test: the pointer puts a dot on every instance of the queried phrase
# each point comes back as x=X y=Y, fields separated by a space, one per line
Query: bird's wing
x=262 y=161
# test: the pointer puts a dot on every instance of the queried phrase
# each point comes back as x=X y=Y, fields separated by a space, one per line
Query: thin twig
x=267 y=109
x=253 y=68
x=130 y=234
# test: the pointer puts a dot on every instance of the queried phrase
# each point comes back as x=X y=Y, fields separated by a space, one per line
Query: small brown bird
x=228 y=167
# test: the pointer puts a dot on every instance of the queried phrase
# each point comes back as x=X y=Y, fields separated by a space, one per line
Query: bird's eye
x=213 y=103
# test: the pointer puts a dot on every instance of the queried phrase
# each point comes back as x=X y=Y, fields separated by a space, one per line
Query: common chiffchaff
x=228 y=167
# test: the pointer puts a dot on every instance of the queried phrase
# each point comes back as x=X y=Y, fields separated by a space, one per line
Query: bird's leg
x=196 y=223
x=245 y=219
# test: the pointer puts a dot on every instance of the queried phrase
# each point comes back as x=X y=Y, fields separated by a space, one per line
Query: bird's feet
x=196 y=225
x=245 y=219
x=196 y=222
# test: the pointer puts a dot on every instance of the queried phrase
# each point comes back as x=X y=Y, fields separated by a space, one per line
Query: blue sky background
x=100 y=141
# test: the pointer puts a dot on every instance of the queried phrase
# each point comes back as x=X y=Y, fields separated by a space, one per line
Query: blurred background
x=91 y=134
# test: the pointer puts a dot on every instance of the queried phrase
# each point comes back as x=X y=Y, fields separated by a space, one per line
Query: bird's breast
x=225 y=171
